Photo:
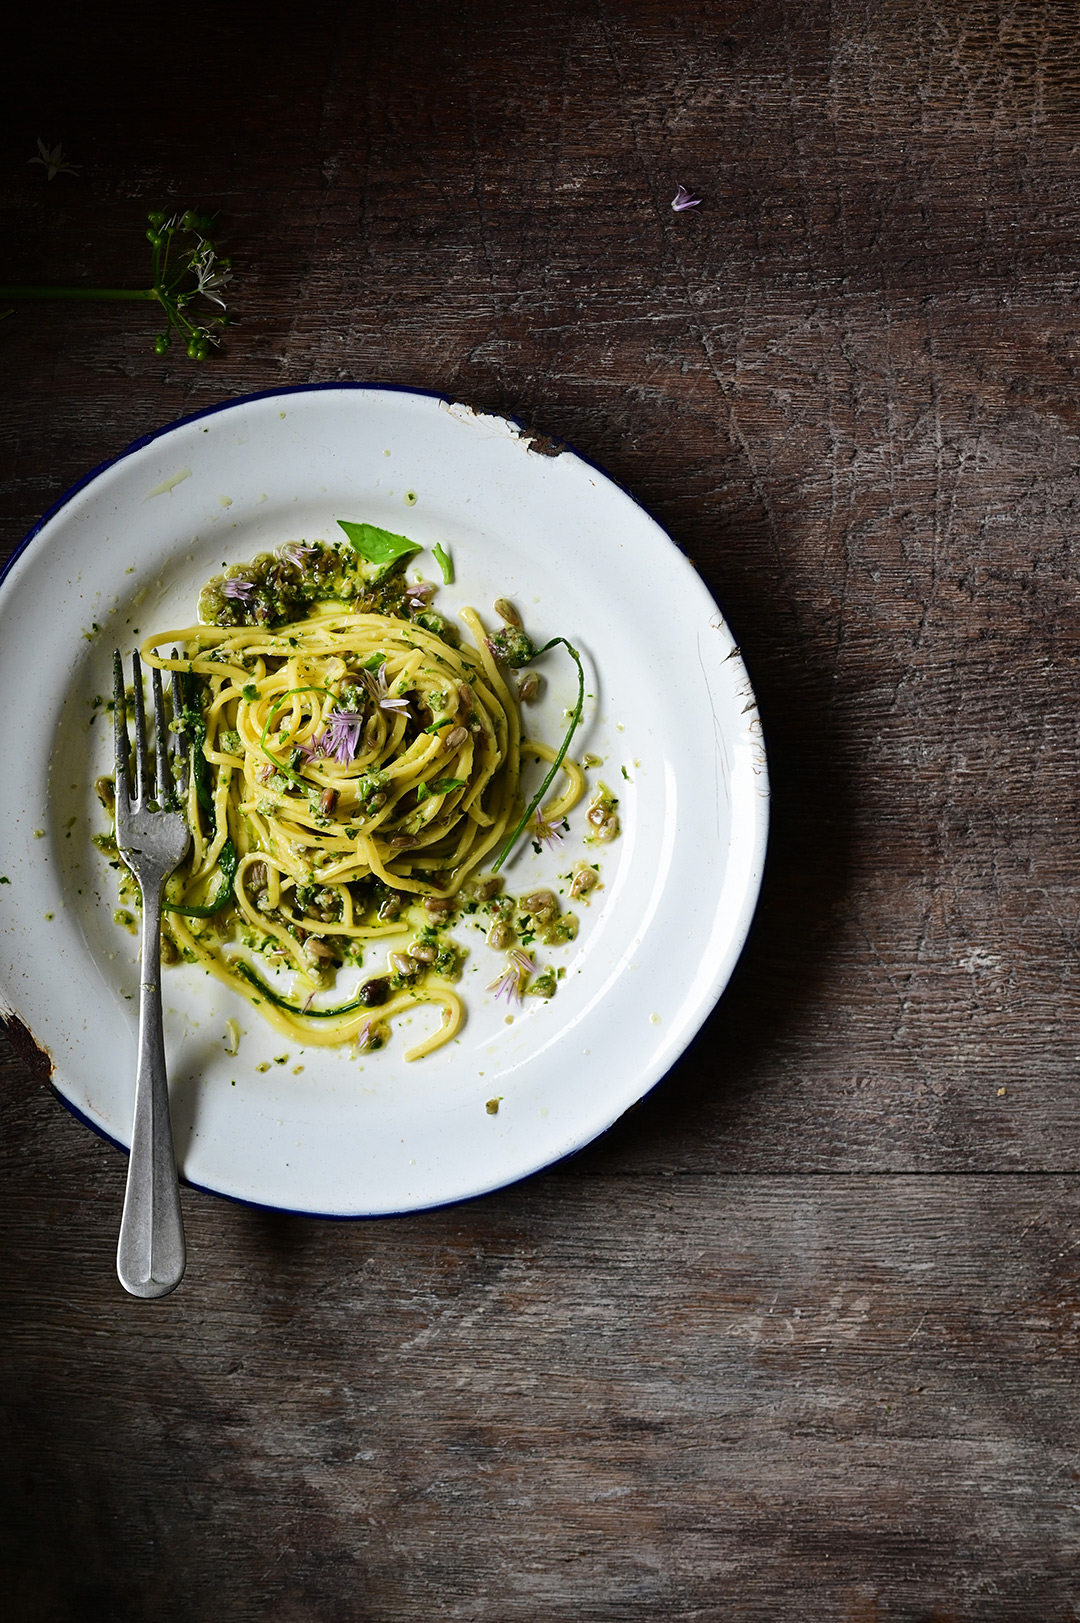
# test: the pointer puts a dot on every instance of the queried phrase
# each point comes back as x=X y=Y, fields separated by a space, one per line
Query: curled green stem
x=558 y=761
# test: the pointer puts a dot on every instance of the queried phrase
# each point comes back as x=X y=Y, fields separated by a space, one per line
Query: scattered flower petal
x=511 y=982
x=417 y=594
x=683 y=200
x=242 y=589
x=298 y=552
x=377 y=687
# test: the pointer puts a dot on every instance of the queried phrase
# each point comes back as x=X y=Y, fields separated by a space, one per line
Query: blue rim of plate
x=211 y=411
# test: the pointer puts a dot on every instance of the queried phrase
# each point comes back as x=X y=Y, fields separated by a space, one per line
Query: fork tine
x=180 y=741
x=140 y=732
x=120 y=737
x=166 y=789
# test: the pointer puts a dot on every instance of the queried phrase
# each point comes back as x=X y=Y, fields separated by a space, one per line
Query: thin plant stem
x=109 y=293
x=558 y=761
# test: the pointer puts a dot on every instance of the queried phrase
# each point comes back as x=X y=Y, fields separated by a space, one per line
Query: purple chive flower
x=519 y=967
x=298 y=552
x=372 y=1034
x=545 y=834
x=242 y=589
x=683 y=200
x=342 y=736
x=417 y=594
x=376 y=684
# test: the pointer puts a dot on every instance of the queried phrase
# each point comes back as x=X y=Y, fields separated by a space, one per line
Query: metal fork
x=153 y=837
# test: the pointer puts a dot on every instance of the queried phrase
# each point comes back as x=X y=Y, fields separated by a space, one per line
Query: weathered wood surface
x=640 y=1385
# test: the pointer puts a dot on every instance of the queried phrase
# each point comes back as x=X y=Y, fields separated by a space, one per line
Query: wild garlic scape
x=185 y=265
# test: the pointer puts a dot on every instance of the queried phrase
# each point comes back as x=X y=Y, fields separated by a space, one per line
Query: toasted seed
x=403 y=964
x=456 y=738
x=106 y=792
x=327 y=801
x=256 y=875
x=541 y=904
x=585 y=878
x=401 y=842
x=500 y=935
x=169 y=951
x=506 y=611
x=422 y=951
x=485 y=889
x=529 y=687
x=437 y=907
x=465 y=698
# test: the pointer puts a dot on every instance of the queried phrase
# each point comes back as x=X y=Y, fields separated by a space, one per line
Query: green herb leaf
x=445 y=563
x=443 y=786
x=195 y=734
x=380 y=548
x=227 y=863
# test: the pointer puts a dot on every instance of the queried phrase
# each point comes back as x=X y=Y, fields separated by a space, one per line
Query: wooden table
x=797 y=1339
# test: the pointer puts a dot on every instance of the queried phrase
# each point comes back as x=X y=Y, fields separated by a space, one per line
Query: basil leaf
x=380 y=548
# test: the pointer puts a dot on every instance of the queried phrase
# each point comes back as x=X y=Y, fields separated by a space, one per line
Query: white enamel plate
x=669 y=713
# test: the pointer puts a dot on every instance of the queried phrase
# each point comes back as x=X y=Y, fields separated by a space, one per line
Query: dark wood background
x=800 y=1337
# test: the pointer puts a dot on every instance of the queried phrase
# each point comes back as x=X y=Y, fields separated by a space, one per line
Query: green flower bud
x=161 y=343
x=153 y=238
x=156 y=219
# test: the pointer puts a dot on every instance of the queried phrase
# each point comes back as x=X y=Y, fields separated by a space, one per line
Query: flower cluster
x=197 y=271
x=342 y=736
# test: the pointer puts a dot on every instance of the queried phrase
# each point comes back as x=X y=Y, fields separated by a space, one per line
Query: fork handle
x=151 y=1255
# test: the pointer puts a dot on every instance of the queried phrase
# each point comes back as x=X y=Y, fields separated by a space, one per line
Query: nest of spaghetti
x=351 y=771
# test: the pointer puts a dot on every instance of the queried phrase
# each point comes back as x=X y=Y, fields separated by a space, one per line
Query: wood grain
x=799 y=1336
